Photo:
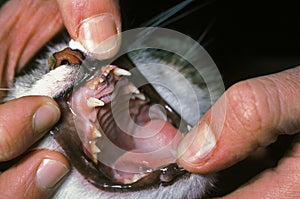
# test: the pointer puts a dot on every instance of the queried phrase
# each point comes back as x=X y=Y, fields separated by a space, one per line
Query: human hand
x=28 y=25
x=250 y=115
x=22 y=122
x=95 y=24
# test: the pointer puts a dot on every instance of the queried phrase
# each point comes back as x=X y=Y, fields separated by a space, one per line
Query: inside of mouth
x=128 y=138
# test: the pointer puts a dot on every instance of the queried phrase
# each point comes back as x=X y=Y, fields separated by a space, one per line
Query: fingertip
x=96 y=25
x=34 y=116
x=100 y=35
x=196 y=147
x=36 y=176
x=50 y=172
x=46 y=115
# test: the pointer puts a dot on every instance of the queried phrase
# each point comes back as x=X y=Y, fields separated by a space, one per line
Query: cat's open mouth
x=117 y=136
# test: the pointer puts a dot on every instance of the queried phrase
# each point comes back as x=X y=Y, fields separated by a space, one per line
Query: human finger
x=255 y=112
x=280 y=182
x=23 y=121
x=96 y=24
x=25 y=29
x=36 y=176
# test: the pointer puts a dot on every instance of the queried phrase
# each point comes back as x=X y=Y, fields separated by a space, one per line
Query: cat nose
x=66 y=56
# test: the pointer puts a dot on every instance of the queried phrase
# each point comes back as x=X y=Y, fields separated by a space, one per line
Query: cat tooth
x=94 y=151
x=94 y=158
x=97 y=134
x=120 y=71
x=132 y=97
x=135 y=177
x=140 y=96
x=133 y=89
x=93 y=85
x=94 y=102
x=127 y=181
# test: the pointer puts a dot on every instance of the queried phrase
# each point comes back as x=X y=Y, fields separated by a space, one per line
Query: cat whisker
x=201 y=38
x=7 y=89
x=207 y=43
x=161 y=18
x=156 y=21
x=186 y=13
x=206 y=30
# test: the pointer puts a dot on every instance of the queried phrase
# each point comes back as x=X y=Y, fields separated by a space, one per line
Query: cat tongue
x=155 y=146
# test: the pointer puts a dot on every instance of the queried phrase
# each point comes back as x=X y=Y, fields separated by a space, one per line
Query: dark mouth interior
x=128 y=143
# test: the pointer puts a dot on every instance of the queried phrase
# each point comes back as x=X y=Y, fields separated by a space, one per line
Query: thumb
x=281 y=182
x=95 y=24
x=36 y=176
x=251 y=114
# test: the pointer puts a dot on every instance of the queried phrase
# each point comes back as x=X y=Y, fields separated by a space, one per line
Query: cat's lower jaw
x=76 y=187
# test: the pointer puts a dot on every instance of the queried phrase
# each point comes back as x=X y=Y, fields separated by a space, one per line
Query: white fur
x=76 y=45
x=50 y=84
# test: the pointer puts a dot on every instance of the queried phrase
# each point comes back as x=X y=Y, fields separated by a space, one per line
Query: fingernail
x=197 y=144
x=49 y=173
x=45 y=117
x=99 y=35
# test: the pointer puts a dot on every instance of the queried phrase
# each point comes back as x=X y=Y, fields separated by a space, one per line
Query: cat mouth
x=120 y=137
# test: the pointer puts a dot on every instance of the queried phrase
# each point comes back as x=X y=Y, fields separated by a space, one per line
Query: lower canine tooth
x=120 y=71
x=140 y=96
x=94 y=102
x=133 y=89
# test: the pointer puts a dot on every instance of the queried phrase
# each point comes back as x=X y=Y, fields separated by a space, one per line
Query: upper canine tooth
x=133 y=89
x=120 y=71
x=94 y=102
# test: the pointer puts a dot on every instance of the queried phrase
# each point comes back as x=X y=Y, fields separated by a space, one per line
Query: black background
x=247 y=38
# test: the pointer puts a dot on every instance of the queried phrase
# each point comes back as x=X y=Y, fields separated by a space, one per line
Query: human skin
x=26 y=27
x=252 y=114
